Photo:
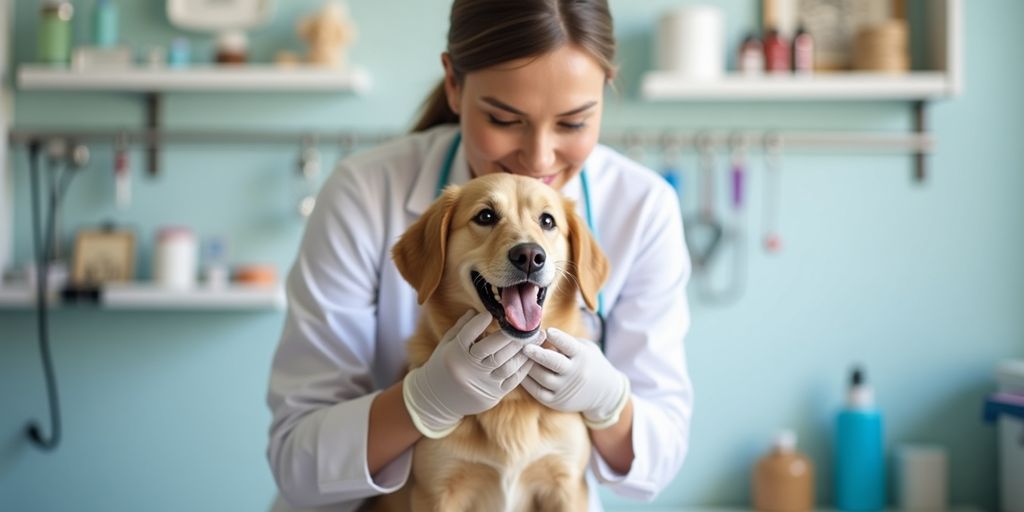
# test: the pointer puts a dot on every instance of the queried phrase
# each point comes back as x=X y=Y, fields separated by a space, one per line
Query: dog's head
x=505 y=244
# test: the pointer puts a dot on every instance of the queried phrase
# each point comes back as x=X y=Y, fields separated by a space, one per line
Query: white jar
x=691 y=42
x=176 y=258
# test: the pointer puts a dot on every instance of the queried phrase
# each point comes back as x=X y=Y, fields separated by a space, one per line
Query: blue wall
x=921 y=282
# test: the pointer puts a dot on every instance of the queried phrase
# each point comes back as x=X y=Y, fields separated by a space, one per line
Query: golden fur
x=519 y=455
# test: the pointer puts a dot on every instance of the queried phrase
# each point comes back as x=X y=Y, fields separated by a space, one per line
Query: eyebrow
x=506 y=107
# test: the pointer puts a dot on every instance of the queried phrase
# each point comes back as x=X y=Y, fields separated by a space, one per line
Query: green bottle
x=55 y=33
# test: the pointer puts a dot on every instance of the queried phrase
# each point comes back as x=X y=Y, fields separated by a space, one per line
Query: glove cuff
x=616 y=411
x=419 y=415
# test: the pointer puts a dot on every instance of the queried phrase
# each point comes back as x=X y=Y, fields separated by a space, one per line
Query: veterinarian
x=523 y=92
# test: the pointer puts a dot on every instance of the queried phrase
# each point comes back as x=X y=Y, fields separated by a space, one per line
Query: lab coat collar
x=424 y=190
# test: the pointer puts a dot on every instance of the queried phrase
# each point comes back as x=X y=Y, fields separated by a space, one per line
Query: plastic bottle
x=105 y=24
x=803 y=52
x=750 y=60
x=776 y=53
x=784 y=478
x=860 y=450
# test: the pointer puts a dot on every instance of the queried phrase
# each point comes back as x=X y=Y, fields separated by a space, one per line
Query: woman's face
x=537 y=116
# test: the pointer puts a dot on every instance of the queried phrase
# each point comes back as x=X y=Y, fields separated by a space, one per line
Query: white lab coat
x=350 y=312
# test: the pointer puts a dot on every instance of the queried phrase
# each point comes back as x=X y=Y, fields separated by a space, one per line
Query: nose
x=539 y=154
x=527 y=257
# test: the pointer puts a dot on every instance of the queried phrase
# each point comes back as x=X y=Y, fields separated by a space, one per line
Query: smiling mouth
x=517 y=308
x=547 y=180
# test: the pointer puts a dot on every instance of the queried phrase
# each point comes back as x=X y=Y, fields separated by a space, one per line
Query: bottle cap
x=785 y=441
x=860 y=395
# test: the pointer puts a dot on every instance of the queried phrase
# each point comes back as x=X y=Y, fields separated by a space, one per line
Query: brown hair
x=484 y=33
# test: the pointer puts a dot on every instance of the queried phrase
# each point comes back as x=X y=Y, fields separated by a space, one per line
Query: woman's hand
x=462 y=377
x=577 y=378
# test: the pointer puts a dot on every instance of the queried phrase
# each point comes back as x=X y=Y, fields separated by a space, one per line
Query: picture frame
x=103 y=255
x=833 y=24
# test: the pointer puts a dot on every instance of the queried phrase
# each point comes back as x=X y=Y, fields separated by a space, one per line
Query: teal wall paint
x=921 y=282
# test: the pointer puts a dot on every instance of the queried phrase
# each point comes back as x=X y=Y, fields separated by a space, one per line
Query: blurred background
x=876 y=143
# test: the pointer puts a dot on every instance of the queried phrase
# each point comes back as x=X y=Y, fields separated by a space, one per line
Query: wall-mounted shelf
x=243 y=78
x=155 y=81
x=940 y=77
x=142 y=296
x=659 y=85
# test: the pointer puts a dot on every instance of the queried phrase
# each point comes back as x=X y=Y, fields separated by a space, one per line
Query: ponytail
x=435 y=110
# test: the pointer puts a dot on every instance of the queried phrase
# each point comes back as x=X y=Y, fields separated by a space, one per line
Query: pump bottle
x=784 y=478
x=860 y=451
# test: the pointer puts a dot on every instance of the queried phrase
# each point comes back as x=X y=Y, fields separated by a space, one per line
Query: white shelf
x=241 y=78
x=942 y=60
x=658 y=85
x=142 y=296
x=17 y=296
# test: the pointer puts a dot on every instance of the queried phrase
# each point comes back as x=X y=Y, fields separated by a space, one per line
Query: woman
x=522 y=93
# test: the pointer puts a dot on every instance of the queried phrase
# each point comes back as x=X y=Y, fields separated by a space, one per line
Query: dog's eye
x=547 y=222
x=486 y=217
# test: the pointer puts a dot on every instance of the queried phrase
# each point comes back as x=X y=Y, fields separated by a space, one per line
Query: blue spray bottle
x=860 y=450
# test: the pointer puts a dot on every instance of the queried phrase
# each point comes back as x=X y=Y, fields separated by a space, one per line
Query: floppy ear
x=420 y=252
x=589 y=264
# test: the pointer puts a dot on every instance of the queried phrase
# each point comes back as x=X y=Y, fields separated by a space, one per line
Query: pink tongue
x=521 y=308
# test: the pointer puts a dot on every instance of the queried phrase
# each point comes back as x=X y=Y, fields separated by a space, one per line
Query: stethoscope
x=442 y=181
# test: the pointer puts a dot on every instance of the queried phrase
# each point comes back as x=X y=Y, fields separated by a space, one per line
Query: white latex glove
x=462 y=377
x=577 y=378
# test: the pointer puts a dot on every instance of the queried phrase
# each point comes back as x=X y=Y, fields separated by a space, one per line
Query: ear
x=452 y=87
x=589 y=264
x=420 y=252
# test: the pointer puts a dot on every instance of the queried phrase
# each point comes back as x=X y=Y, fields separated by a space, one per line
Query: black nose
x=527 y=257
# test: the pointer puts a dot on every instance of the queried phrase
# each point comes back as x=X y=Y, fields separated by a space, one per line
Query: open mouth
x=517 y=308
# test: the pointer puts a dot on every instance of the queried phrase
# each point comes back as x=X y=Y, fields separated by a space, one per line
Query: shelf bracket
x=154 y=113
x=919 y=129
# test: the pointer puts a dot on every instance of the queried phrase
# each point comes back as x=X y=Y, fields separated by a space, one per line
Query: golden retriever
x=473 y=249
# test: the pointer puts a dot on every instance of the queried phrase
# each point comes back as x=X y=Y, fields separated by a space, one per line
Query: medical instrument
x=771 y=238
x=60 y=160
x=309 y=171
x=703 y=230
x=671 y=152
x=734 y=237
x=600 y=326
x=122 y=173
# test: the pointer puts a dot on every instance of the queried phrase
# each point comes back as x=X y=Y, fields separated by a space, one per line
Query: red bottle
x=776 y=52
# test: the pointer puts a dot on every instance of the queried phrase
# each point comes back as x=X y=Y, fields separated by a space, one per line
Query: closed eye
x=500 y=122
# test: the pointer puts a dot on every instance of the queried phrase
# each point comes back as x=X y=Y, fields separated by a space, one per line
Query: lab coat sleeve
x=321 y=386
x=646 y=328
